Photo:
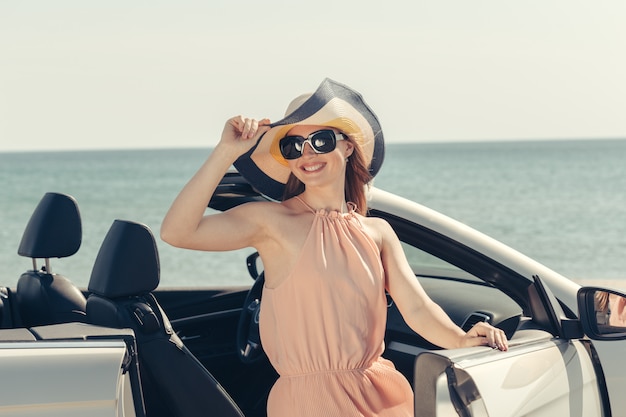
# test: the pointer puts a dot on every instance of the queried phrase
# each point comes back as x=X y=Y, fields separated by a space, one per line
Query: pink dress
x=323 y=328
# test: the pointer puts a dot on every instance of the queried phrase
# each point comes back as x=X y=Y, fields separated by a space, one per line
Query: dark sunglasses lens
x=291 y=147
x=323 y=141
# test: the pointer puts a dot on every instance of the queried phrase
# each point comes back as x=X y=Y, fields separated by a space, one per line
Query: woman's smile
x=313 y=167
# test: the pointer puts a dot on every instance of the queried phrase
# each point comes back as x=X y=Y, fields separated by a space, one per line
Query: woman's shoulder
x=268 y=211
x=383 y=234
x=260 y=209
x=376 y=223
x=377 y=228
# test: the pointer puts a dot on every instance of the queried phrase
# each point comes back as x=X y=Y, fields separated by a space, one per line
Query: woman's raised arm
x=185 y=224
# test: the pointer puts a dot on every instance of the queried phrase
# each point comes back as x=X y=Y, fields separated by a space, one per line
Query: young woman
x=327 y=266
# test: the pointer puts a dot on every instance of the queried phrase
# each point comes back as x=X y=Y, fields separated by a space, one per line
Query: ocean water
x=562 y=203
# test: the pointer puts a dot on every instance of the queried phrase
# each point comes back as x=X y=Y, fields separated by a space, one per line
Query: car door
x=540 y=375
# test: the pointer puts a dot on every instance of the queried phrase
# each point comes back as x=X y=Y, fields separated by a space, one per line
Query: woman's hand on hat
x=241 y=133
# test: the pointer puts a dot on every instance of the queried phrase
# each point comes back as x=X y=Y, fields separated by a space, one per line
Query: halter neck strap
x=304 y=203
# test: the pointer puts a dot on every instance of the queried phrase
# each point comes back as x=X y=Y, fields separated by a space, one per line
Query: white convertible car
x=124 y=347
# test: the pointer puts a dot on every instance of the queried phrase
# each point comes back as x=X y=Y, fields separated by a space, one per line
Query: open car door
x=542 y=374
x=538 y=376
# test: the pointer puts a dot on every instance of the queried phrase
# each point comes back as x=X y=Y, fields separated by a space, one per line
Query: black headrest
x=54 y=230
x=127 y=263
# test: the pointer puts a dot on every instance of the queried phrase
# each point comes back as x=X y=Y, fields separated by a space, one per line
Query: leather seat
x=125 y=273
x=53 y=231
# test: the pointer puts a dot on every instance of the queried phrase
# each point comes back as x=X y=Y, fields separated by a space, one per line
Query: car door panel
x=538 y=376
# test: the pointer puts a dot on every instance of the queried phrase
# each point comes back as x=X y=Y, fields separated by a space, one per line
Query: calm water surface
x=562 y=202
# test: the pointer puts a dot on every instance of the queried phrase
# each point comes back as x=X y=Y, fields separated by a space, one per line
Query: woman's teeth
x=311 y=168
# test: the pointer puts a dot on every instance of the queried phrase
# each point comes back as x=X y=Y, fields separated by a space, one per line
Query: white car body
x=65 y=378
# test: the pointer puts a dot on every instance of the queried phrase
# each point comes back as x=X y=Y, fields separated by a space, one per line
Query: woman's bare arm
x=422 y=314
x=186 y=225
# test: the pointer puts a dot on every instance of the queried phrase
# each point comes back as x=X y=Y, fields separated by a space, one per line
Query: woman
x=327 y=266
x=612 y=308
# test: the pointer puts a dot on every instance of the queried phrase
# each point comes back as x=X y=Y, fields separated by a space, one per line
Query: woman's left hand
x=485 y=334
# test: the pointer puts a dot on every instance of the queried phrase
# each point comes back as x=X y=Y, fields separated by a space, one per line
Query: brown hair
x=602 y=300
x=357 y=177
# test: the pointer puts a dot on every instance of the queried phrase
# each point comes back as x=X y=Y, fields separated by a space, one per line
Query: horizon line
x=388 y=143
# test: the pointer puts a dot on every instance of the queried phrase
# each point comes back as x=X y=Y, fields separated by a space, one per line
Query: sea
x=561 y=202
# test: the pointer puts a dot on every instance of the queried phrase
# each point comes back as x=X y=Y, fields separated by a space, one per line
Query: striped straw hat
x=333 y=105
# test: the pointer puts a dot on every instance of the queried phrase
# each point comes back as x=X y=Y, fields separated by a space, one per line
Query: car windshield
x=424 y=264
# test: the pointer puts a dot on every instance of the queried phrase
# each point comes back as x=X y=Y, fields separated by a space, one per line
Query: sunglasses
x=322 y=141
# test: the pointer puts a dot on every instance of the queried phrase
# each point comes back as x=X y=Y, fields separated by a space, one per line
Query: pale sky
x=134 y=74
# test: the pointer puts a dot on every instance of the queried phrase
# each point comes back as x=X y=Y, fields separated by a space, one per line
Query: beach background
x=508 y=116
x=562 y=202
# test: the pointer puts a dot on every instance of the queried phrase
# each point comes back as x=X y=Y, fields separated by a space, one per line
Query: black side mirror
x=602 y=313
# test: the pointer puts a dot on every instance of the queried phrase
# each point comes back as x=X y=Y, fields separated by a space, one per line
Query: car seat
x=125 y=273
x=43 y=297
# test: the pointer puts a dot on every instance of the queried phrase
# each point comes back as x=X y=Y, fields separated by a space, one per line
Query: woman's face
x=319 y=169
